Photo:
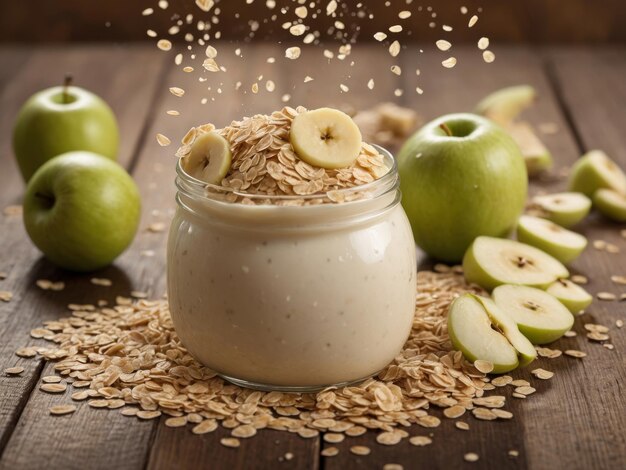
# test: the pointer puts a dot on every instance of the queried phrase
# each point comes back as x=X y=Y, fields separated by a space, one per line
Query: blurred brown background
x=532 y=21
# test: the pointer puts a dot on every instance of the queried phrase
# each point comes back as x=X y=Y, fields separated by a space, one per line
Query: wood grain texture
x=32 y=306
x=536 y=21
x=574 y=421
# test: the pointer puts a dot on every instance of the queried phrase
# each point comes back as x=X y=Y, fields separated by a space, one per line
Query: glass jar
x=292 y=298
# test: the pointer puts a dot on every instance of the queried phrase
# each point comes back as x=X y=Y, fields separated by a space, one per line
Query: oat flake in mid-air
x=449 y=62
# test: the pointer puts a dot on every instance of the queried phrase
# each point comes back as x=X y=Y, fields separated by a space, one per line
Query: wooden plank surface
x=573 y=421
x=31 y=306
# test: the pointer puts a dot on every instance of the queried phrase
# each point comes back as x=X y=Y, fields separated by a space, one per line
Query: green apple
x=536 y=156
x=60 y=120
x=574 y=297
x=490 y=262
x=564 y=209
x=539 y=316
x=555 y=240
x=81 y=210
x=503 y=322
x=595 y=170
x=611 y=204
x=504 y=105
x=461 y=176
x=471 y=332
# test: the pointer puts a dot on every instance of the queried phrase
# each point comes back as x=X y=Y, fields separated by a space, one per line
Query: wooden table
x=574 y=421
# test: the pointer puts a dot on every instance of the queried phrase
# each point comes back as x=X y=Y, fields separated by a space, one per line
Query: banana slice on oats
x=209 y=159
x=326 y=138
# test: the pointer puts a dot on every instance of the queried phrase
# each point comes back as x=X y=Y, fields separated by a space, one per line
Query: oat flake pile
x=128 y=357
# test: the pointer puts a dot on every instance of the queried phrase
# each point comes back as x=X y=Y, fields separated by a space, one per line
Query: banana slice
x=326 y=138
x=210 y=158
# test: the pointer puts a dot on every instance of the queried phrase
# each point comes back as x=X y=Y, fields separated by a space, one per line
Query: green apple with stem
x=538 y=315
x=60 y=120
x=490 y=262
x=81 y=210
x=595 y=170
x=575 y=298
x=565 y=209
x=611 y=204
x=461 y=176
x=555 y=240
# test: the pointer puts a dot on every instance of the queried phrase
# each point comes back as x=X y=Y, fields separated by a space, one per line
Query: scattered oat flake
x=59 y=410
x=489 y=57
x=619 y=323
x=393 y=466
x=330 y=452
x=443 y=45
x=575 y=353
x=206 y=426
x=292 y=53
x=579 y=279
x=449 y=62
x=370 y=84
x=388 y=438
x=471 y=457
x=619 y=280
x=344 y=88
x=462 y=425
x=394 y=49
x=53 y=388
x=144 y=414
x=98 y=281
x=163 y=140
x=14 y=370
x=483 y=366
x=230 y=442
x=483 y=43
x=176 y=91
x=51 y=379
x=331 y=7
x=542 y=374
x=172 y=112
x=333 y=438
x=147 y=12
x=5 y=295
x=308 y=79
x=26 y=352
x=297 y=29
x=395 y=28
x=205 y=5
x=570 y=334
x=403 y=15
x=513 y=453
x=380 y=36
x=455 y=411
x=606 y=296
x=176 y=422
x=396 y=69
x=420 y=441
x=473 y=20
x=360 y=450
x=156 y=227
x=164 y=45
x=13 y=210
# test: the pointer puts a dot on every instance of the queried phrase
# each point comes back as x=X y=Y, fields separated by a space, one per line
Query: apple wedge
x=504 y=105
x=471 y=332
x=490 y=262
x=611 y=204
x=539 y=316
x=536 y=156
x=595 y=170
x=555 y=240
x=574 y=297
x=505 y=323
x=564 y=209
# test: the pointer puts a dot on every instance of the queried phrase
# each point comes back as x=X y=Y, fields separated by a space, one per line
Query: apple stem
x=66 y=84
x=446 y=129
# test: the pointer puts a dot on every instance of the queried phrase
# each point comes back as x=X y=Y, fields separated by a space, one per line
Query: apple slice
x=595 y=170
x=326 y=138
x=504 y=105
x=490 y=262
x=611 y=204
x=505 y=323
x=470 y=330
x=539 y=316
x=555 y=240
x=574 y=297
x=536 y=156
x=565 y=209
x=209 y=159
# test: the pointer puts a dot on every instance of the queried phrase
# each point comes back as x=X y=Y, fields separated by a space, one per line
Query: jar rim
x=211 y=192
